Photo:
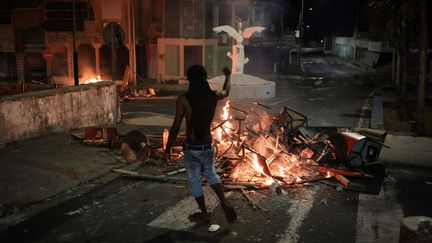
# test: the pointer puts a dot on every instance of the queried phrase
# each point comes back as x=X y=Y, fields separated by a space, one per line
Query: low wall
x=407 y=150
x=40 y=112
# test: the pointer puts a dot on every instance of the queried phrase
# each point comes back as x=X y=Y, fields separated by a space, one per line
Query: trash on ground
x=214 y=227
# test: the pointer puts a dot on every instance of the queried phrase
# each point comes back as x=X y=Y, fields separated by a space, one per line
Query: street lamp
x=75 y=51
x=300 y=31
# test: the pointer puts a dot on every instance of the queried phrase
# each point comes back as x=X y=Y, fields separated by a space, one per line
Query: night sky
x=327 y=16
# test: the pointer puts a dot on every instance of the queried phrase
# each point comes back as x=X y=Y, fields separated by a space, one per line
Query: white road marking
x=176 y=218
x=316 y=98
x=378 y=216
x=278 y=102
x=298 y=211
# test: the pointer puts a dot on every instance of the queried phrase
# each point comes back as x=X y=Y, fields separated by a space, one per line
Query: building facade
x=157 y=39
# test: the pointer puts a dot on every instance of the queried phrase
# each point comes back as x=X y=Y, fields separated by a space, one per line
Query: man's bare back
x=198 y=107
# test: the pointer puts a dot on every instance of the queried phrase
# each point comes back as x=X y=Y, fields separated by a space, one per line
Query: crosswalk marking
x=176 y=218
x=322 y=62
x=298 y=211
x=378 y=216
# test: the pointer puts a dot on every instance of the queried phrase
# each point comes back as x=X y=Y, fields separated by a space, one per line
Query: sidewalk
x=39 y=173
x=404 y=148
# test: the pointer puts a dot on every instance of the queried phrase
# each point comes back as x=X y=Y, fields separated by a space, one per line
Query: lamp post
x=75 y=51
x=300 y=32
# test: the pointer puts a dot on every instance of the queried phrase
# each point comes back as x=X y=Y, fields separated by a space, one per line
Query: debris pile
x=257 y=149
x=253 y=146
x=262 y=148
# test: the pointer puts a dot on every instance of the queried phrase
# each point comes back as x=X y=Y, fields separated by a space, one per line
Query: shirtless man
x=198 y=106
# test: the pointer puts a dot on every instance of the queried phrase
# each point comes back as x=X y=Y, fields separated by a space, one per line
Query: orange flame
x=225 y=116
x=268 y=182
x=256 y=165
x=93 y=80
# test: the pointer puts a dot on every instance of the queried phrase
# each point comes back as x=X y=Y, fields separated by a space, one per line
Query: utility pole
x=75 y=52
x=355 y=34
x=300 y=32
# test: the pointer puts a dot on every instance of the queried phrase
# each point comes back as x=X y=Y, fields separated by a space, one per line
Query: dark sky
x=326 y=15
x=329 y=15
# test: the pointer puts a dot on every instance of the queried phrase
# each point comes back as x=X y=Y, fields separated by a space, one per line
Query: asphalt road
x=335 y=100
x=126 y=210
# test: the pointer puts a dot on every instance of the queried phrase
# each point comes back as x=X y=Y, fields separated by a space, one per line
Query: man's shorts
x=198 y=163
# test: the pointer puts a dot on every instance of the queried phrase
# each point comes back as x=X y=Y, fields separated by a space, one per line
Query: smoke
x=86 y=61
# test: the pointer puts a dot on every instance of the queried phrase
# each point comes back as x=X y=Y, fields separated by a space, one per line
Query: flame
x=268 y=182
x=219 y=134
x=93 y=80
x=256 y=165
x=225 y=117
x=165 y=136
x=286 y=165
x=281 y=171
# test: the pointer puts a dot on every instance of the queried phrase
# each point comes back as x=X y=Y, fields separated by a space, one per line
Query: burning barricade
x=280 y=148
x=257 y=149
x=265 y=148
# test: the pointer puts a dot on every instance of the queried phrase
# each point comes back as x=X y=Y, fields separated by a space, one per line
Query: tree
x=399 y=18
x=423 y=46
x=394 y=17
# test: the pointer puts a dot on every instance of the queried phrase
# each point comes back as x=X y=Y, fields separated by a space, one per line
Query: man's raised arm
x=227 y=84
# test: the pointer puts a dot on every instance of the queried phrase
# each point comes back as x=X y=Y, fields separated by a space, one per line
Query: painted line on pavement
x=378 y=216
x=298 y=211
x=176 y=218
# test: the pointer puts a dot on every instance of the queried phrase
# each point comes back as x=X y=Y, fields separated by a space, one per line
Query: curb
x=405 y=149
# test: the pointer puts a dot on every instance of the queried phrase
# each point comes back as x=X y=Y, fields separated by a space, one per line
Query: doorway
x=192 y=56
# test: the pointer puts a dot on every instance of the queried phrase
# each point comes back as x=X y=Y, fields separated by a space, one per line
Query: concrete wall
x=344 y=41
x=41 y=112
x=407 y=150
x=344 y=51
